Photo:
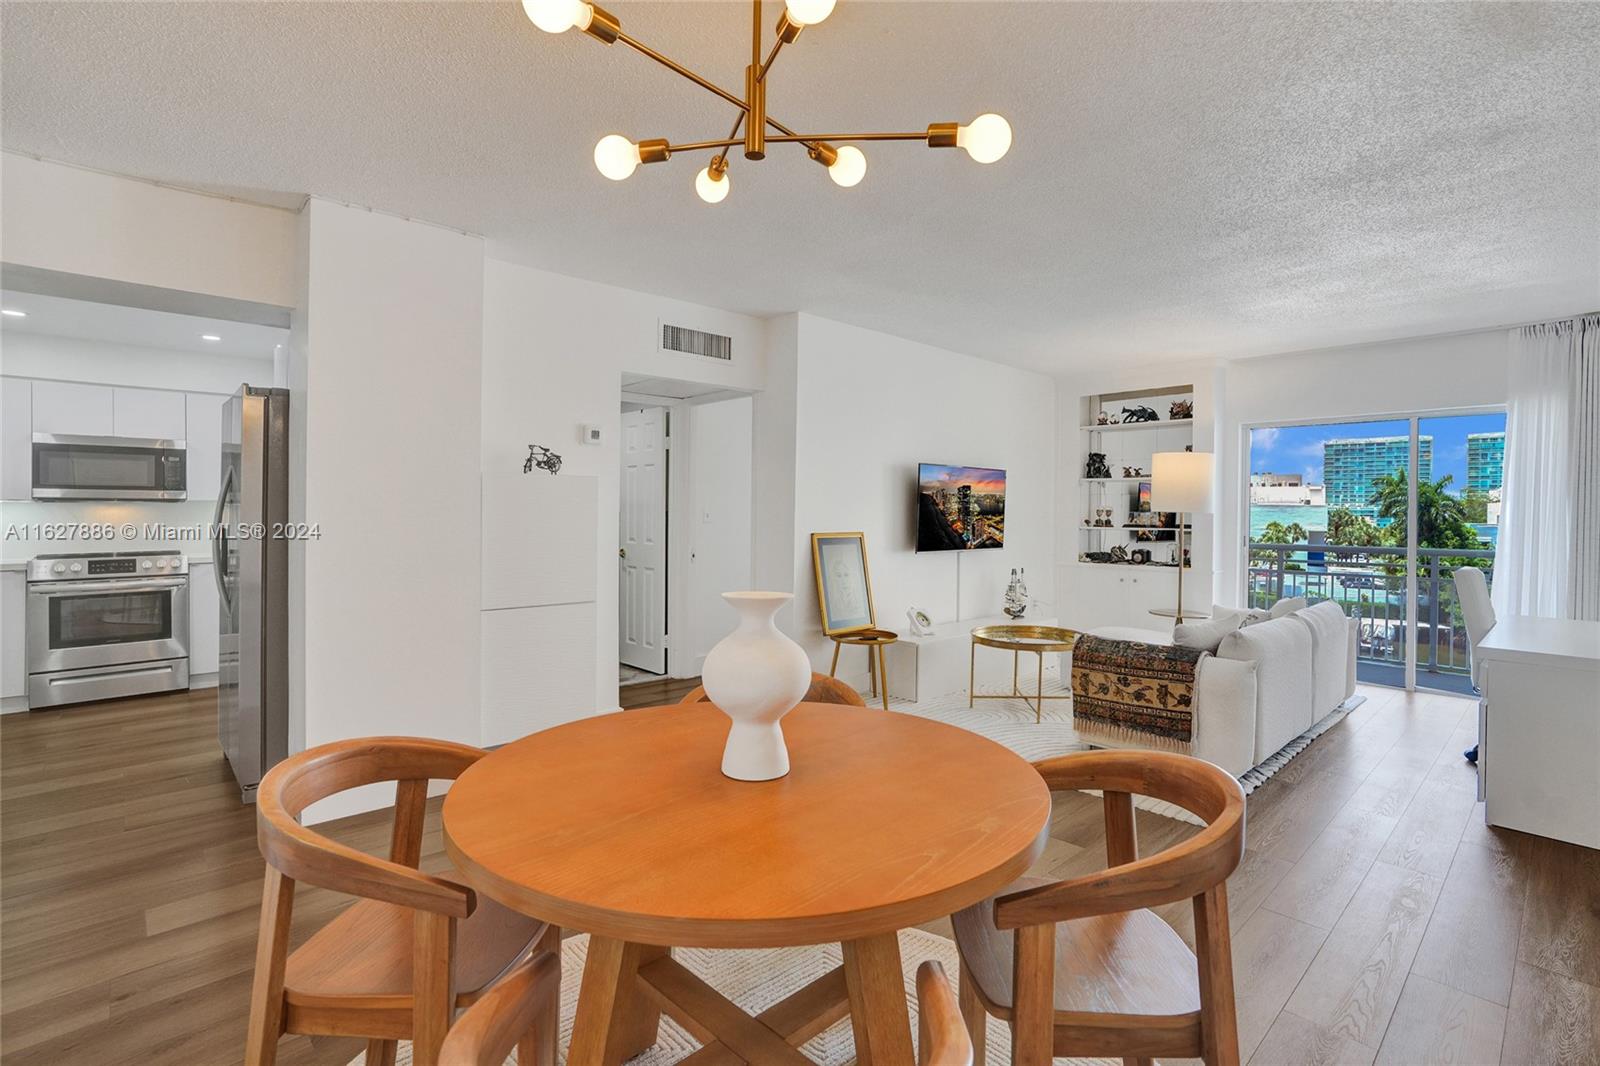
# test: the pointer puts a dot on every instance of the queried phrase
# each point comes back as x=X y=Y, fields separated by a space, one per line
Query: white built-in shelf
x=1112 y=480
x=1156 y=529
x=1129 y=566
x=1160 y=423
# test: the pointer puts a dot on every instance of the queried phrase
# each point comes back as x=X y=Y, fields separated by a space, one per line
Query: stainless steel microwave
x=70 y=467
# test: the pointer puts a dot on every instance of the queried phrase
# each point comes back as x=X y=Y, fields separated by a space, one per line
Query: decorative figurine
x=1097 y=467
x=1140 y=413
x=1133 y=471
x=543 y=458
x=1102 y=419
x=1119 y=554
x=1181 y=409
x=1016 y=601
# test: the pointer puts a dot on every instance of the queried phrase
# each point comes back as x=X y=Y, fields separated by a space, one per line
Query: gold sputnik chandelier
x=986 y=138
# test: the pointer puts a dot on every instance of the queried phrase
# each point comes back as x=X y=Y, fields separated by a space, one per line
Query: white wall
x=62 y=218
x=775 y=465
x=719 y=520
x=39 y=355
x=387 y=397
x=1463 y=371
x=554 y=352
x=869 y=408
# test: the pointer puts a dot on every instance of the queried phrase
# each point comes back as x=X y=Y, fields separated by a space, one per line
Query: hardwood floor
x=1375 y=918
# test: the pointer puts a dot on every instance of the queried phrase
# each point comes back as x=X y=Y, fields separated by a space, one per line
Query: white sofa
x=1266 y=683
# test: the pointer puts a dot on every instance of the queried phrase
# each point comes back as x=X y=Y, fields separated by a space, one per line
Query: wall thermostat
x=589 y=433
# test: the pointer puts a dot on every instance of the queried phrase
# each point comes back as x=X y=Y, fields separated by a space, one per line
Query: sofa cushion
x=1205 y=635
x=1330 y=645
x=1248 y=616
x=1225 y=714
x=1287 y=605
x=1281 y=650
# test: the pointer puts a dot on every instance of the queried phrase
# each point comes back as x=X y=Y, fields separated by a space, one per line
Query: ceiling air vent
x=696 y=342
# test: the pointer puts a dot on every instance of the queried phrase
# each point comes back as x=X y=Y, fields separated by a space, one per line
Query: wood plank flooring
x=1375 y=917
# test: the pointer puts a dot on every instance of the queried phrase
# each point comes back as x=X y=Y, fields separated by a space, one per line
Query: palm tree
x=1441 y=517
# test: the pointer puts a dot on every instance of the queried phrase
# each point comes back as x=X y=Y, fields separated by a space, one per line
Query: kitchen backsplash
x=39 y=527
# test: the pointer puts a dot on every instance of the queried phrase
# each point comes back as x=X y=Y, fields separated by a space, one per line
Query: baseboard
x=13 y=704
x=202 y=681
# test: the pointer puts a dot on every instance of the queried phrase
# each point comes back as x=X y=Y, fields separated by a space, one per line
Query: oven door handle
x=219 y=538
x=66 y=588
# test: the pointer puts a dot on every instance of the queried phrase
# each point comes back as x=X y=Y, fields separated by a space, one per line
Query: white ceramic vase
x=756 y=675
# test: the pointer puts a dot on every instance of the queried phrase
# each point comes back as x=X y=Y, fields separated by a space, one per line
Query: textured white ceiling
x=1187 y=179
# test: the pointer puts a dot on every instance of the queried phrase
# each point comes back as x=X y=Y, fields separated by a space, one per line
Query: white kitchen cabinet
x=13 y=633
x=205 y=444
x=203 y=607
x=16 y=439
x=68 y=407
x=150 y=413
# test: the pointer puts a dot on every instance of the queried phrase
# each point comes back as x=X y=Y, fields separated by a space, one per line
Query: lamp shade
x=1181 y=481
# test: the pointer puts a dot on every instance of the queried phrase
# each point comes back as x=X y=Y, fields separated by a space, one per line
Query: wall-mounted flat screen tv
x=960 y=508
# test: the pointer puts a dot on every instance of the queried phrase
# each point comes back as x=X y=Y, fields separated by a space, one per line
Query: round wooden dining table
x=623 y=826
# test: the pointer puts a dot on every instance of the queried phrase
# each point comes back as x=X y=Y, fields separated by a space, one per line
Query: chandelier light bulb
x=808 y=12
x=616 y=157
x=712 y=189
x=558 y=16
x=986 y=139
x=849 y=168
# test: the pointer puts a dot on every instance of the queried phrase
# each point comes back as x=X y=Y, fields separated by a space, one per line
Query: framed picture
x=844 y=588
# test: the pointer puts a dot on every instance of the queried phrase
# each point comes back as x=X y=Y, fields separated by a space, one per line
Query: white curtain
x=1548 y=558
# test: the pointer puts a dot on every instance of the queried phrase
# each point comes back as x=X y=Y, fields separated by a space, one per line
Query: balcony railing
x=1369 y=585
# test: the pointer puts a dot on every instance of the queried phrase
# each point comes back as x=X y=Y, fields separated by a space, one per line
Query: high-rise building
x=1352 y=468
x=1486 y=462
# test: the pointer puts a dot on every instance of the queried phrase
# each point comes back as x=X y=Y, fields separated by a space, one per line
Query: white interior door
x=642 y=584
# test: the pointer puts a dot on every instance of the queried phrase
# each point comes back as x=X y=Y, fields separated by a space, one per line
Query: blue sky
x=1298 y=449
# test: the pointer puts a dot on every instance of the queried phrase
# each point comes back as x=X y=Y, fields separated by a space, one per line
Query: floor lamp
x=1181 y=482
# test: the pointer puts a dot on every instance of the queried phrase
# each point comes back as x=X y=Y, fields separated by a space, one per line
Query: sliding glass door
x=1334 y=514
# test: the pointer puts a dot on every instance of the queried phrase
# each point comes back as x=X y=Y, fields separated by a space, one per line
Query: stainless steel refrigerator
x=252 y=568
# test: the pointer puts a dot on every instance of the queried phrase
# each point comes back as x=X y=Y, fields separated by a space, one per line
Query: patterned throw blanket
x=1133 y=693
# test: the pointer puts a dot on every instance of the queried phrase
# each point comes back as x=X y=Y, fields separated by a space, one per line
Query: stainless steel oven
x=106 y=625
x=108 y=468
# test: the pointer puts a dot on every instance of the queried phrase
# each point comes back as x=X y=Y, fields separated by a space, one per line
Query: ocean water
x=1309 y=517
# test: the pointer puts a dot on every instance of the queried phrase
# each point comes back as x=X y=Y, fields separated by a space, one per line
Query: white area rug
x=1011 y=724
x=632 y=675
x=755 y=980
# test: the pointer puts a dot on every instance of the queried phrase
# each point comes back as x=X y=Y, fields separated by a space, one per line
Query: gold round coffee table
x=1017 y=639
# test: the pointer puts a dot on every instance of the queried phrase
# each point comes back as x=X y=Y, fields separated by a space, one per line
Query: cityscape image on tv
x=960 y=508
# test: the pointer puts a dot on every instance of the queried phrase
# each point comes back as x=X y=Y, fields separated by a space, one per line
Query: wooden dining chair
x=942 y=1038
x=824 y=689
x=396 y=964
x=510 y=1015
x=1082 y=967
